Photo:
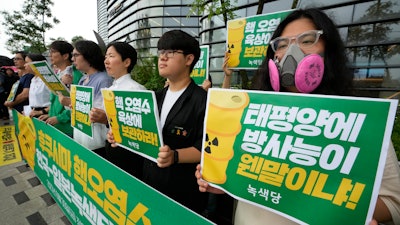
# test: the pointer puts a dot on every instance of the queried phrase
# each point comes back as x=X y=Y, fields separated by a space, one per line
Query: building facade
x=369 y=28
x=142 y=22
x=102 y=20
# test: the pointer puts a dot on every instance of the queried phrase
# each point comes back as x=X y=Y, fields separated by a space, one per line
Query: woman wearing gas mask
x=307 y=55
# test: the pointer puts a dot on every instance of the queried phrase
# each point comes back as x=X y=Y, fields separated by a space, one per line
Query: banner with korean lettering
x=200 y=70
x=81 y=104
x=134 y=121
x=9 y=150
x=248 y=38
x=46 y=73
x=284 y=151
x=90 y=190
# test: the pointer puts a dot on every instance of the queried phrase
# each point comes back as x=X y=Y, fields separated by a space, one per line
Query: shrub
x=146 y=73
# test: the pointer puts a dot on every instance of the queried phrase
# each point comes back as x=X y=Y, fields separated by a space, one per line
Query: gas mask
x=296 y=69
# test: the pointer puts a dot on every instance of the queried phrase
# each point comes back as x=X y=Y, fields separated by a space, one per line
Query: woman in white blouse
x=39 y=93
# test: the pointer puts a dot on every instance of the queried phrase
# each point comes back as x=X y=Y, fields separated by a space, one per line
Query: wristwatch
x=176 y=157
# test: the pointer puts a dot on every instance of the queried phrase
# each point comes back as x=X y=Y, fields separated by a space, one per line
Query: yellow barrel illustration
x=236 y=30
x=218 y=152
x=235 y=38
x=111 y=110
x=225 y=107
x=73 y=102
x=234 y=60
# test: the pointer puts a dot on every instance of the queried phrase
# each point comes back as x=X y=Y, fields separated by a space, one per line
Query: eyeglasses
x=304 y=40
x=16 y=59
x=76 y=55
x=168 y=53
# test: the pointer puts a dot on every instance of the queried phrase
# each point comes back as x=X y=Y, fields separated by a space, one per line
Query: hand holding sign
x=98 y=116
x=165 y=157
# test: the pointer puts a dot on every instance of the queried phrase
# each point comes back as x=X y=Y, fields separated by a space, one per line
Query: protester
x=311 y=31
x=10 y=76
x=3 y=96
x=22 y=94
x=89 y=59
x=59 y=115
x=39 y=93
x=182 y=107
x=119 y=62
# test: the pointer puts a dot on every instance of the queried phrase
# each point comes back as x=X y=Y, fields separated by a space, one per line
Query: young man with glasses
x=22 y=94
x=182 y=106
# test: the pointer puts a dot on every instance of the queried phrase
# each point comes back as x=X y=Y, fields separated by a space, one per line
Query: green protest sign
x=284 y=151
x=90 y=190
x=248 y=39
x=46 y=73
x=81 y=104
x=134 y=121
x=200 y=70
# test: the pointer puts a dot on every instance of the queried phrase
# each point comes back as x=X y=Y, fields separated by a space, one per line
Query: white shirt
x=170 y=98
x=126 y=83
x=39 y=93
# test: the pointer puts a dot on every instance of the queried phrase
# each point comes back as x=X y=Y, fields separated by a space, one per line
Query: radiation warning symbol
x=210 y=143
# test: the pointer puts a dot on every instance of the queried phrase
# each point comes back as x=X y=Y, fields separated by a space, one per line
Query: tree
x=57 y=39
x=374 y=34
x=146 y=73
x=27 y=27
x=214 y=8
x=76 y=39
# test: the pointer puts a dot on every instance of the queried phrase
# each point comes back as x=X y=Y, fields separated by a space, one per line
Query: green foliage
x=396 y=135
x=27 y=28
x=146 y=73
x=213 y=8
x=76 y=39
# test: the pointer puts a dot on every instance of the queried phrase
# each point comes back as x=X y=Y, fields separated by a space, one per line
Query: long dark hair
x=92 y=53
x=337 y=79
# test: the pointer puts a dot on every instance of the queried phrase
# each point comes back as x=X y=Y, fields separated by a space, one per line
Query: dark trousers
x=3 y=109
x=128 y=161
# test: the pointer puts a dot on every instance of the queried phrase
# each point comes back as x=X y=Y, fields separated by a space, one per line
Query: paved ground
x=24 y=200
